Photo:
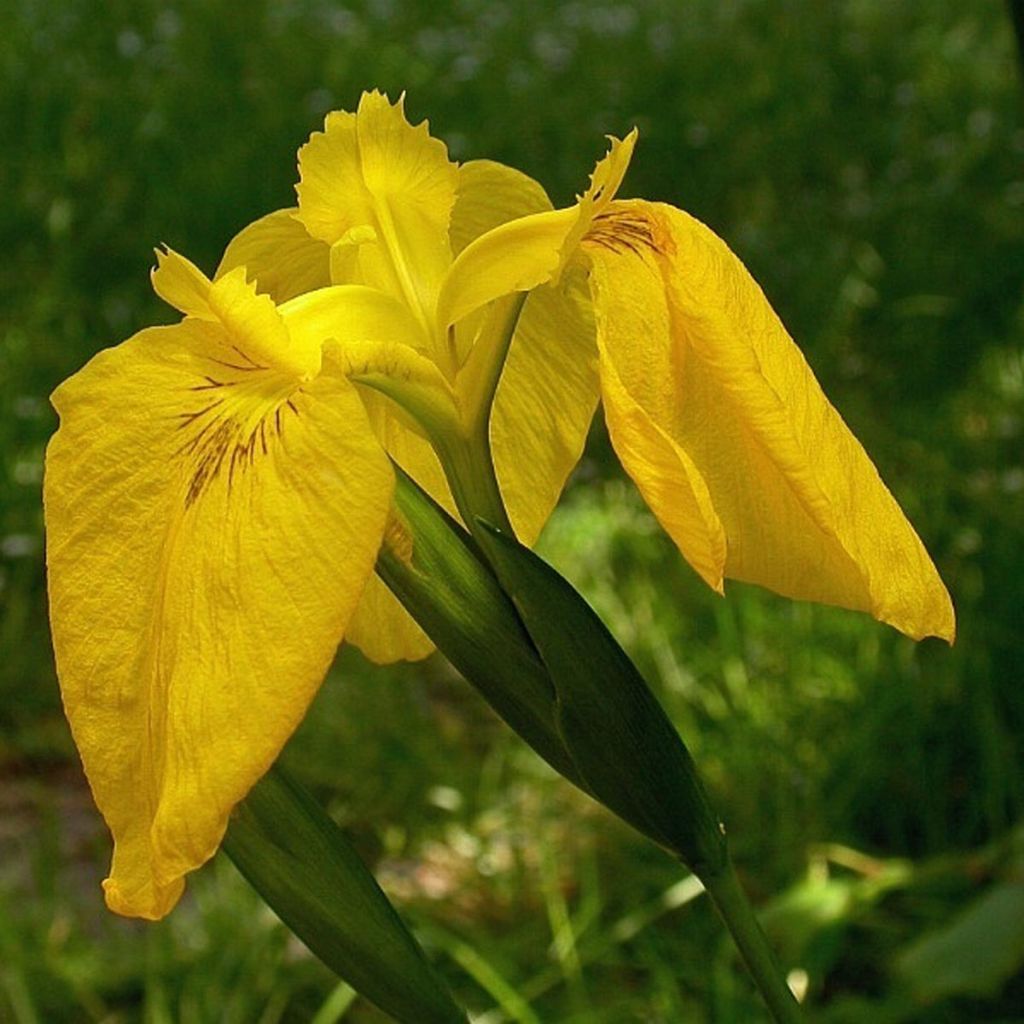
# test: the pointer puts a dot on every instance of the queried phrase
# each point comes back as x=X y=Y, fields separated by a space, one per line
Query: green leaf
x=620 y=740
x=300 y=862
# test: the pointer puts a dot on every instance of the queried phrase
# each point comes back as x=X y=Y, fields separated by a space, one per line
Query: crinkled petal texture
x=717 y=417
x=211 y=523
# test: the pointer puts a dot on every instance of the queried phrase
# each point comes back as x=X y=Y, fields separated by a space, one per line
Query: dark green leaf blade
x=300 y=862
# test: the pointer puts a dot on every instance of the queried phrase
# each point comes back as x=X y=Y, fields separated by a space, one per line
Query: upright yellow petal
x=521 y=254
x=280 y=255
x=403 y=164
x=545 y=401
x=491 y=194
x=211 y=524
x=373 y=169
x=333 y=197
x=704 y=388
x=548 y=388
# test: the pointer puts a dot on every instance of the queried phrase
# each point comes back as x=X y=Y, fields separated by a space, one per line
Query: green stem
x=470 y=472
x=736 y=912
x=466 y=453
x=477 y=382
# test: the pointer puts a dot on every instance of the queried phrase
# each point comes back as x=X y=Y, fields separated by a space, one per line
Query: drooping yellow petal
x=363 y=329
x=545 y=401
x=694 y=359
x=383 y=630
x=373 y=169
x=280 y=255
x=664 y=474
x=211 y=524
x=531 y=250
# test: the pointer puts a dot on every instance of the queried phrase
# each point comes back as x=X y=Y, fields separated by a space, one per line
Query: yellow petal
x=208 y=537
x=491 y=194
x=708 y=369
x=257 y=331
x=545 y=401
x=259 y=339
x=279 y=255
x=369 y=327
x=332 y=194
x=664 y=474
x=350 y=314
x=383 y=630
x=374 y=169
x=181 y=284
x=531 y=250
x=401 y=163
x=371 y=330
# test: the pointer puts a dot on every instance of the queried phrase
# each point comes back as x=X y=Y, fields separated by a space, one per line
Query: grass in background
x=864 y=159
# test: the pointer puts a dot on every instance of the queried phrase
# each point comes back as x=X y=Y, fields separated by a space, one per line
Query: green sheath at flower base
x=561 y=681
x=300 y=862
x=444 y=583
x=621 y=742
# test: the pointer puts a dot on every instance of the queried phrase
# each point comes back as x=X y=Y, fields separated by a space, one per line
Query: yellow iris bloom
x=219 y=489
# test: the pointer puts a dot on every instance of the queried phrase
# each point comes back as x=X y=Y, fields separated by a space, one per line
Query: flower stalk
x=735 y=910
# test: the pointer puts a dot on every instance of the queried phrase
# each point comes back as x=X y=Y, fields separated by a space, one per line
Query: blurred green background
x=866 y=160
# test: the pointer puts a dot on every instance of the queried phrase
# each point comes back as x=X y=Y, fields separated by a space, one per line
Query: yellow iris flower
x=219 y=489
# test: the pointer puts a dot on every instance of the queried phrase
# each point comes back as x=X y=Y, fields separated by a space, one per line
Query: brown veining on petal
x=223 y=435
x=623 y=230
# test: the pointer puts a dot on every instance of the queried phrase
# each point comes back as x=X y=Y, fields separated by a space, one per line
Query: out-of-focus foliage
x=867 y=161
